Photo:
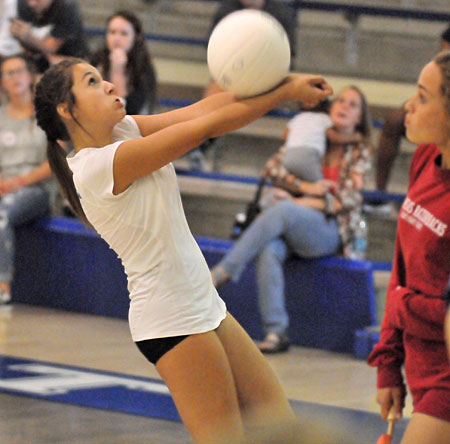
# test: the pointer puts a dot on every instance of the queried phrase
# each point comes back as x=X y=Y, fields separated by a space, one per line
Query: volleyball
x=248 y=53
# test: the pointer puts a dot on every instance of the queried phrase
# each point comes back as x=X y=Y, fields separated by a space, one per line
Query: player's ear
x=63 y=111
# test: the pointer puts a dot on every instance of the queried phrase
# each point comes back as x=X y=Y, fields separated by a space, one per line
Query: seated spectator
x=125 y=61
x=49 y=30
x=308 y=219
x=389 y=142
x=23 y=165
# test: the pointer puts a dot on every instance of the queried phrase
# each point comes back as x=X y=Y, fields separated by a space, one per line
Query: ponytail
x=55 y=87
x=58 y=163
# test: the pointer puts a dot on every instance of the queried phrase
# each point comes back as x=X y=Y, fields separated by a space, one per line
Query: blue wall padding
x=61 y=264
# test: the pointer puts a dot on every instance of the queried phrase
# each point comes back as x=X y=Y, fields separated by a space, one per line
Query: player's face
x=346 y=110
x=39 y=6
x=120 y=34
x=427 y=120
x=15 y=77
x=95 y=99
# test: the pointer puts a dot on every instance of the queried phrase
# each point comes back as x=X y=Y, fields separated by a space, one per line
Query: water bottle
x=360 y=241
x=239 y=225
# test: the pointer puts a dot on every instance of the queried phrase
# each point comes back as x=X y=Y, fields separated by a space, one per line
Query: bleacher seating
x=60 y=255
x=183 y=75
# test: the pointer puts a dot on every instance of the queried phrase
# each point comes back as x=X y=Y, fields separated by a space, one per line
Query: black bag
x=243 y=220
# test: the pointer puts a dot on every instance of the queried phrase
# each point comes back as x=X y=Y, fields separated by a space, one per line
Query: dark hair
x=140 y=72
x=54 y=88
x=322 y=107
x=446 y=35
x=31 y=67
x=443 y=61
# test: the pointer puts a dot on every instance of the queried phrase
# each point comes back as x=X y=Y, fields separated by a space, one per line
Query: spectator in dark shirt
x=49 y=30
x=125 y=61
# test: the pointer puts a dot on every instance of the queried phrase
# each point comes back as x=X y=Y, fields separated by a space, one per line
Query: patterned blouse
x=356 y=159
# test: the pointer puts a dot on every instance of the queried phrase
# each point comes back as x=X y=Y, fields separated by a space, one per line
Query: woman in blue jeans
x=23 y=164
x=307 y=219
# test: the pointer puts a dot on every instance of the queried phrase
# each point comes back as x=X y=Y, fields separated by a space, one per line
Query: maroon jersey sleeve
x=408 y=309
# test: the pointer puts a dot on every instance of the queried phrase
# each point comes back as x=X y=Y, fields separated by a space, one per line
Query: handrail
x=380 y=11
x=368 y=195
x=180 y=103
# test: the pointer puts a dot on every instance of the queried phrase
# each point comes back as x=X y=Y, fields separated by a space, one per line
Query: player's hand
x=309 y=89
x=319 y=188
x=391 y=396
x=20 y=29
x=9 y=185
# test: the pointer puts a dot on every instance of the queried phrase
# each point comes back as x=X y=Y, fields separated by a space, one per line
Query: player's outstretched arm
x=157 y=122
x=154 y=123
x=137 y=158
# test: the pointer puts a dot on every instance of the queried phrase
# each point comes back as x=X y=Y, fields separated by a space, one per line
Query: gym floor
x=98 y=343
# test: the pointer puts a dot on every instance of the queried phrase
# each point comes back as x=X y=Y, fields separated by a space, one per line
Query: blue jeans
x=17 y=208
x=282 y=229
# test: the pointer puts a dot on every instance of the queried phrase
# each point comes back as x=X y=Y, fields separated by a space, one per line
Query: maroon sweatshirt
x=412 y=329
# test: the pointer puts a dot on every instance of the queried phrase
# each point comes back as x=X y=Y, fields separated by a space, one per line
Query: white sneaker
x=386 y=210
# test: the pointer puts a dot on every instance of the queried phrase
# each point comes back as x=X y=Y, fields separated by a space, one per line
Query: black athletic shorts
x=153 y=349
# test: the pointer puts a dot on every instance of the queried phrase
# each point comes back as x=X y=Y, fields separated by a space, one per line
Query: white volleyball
x=248 y=53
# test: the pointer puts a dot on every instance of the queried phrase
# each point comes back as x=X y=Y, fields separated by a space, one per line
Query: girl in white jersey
x=122 y=182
